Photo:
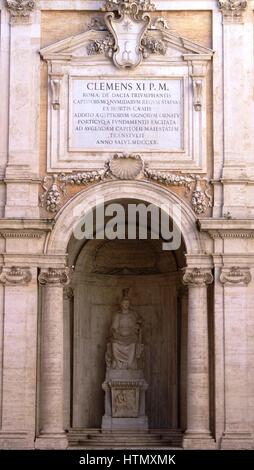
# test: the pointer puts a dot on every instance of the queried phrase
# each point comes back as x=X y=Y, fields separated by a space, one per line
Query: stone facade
x=58 y=294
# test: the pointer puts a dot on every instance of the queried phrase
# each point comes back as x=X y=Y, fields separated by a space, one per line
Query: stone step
x=124 y=439
x=130 y=438
x=126 y=443
x=122 y=447
x=147 y=447
x=166 y=432
x=121 y=438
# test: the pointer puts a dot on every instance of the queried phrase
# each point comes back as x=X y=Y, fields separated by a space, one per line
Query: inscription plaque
x=126 y=115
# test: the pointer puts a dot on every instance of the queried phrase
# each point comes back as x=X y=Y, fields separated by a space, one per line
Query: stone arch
x=148 y=192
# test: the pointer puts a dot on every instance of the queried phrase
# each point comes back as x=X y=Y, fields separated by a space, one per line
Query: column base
x=198 y=440
x=51 y=441
x=16 y=440
x=237 y=440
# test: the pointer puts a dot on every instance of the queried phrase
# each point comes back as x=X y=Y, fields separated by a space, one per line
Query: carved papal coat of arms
x=128 y=24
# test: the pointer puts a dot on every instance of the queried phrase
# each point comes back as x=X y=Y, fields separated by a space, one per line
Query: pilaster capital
x=197 y=277
x=232 y=10
x=15 y=275
x=54 y=277
x=235 y=275
x=20 y=10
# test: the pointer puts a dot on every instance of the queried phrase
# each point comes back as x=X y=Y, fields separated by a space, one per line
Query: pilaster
x=4 y=99
x=237 y=433
x=51 y=395
x=197 y=434
x=238 y=70
x=19 y=357
x=21 y=174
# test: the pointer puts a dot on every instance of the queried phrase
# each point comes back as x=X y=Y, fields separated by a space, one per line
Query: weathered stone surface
x=191 y=143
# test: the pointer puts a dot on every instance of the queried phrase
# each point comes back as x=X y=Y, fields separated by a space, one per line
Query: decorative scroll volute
x=54 y=277
x=197 y=277
x=15 y=276
x=235 y=276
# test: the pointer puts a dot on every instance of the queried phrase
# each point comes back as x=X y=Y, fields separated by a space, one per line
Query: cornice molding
x=215 y=234
x=30 y=226
x=227 y=227
x=20 y=234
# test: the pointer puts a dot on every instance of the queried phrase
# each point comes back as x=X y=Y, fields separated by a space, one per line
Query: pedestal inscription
x=140 y=115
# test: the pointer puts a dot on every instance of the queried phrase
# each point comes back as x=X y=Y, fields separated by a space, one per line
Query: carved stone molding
x=15 y=276
x=97 y=24
x=20 y=10
x=197 y=93
x=217 y=234
x=103 y=46
x=201 y=198
x=53 y=192
x=159 y=23
x=221 y=228
x=54 y=276
x=127 y=22
x=20 y=234
x=125 y=167
x=55 y=81
x=152 y=45
x=197 y=277
x=232 y=10
x=149 y=44
x=235 y=276
x=129 y=6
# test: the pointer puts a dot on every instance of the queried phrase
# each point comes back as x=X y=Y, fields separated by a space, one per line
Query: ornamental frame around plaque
x=183 y=91
x=63 y=66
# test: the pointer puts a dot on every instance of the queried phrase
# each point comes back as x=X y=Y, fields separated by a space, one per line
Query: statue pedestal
x=124 y=400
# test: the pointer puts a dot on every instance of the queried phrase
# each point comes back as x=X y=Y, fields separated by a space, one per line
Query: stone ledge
x=227 y=228
x=57 y=261
x=225 y=224
x=10 y=224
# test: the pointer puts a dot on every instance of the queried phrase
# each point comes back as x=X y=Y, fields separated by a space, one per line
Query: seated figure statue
x=125 y=350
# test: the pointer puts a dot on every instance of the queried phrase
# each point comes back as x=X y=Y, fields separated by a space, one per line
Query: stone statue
x=124 y=383
x=125 y=349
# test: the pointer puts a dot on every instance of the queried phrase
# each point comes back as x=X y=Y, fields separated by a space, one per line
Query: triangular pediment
x=75 y=47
